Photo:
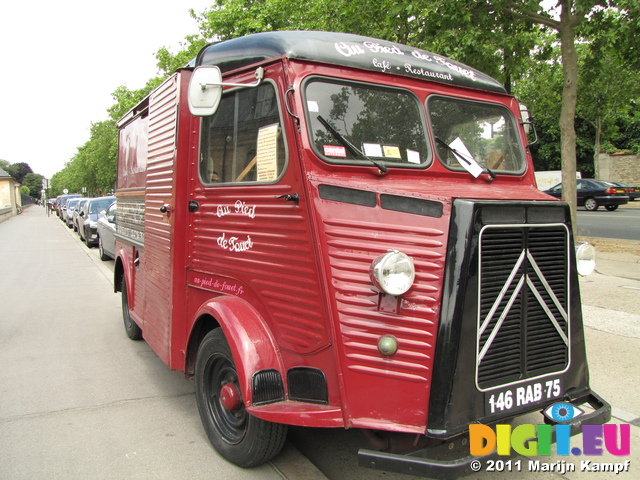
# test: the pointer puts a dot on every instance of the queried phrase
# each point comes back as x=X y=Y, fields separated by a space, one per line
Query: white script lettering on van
x=233 y=244
x=349 y=50
x=382 y=65
x=377 y=48
x=244 y=209
x=240 y=207
x=456 y=68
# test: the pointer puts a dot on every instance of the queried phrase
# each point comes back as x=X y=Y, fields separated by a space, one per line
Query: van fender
x=122 y=269
x=252 y=344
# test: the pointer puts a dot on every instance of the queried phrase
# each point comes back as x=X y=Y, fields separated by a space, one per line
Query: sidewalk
x=78 y=399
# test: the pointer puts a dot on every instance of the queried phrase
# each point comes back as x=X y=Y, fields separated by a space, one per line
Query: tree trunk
x=566 y=32
x=598 y=145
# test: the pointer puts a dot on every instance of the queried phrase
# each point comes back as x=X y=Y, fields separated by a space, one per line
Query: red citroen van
x=329 y=230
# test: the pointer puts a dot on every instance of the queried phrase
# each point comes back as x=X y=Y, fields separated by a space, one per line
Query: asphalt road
x=623 y=223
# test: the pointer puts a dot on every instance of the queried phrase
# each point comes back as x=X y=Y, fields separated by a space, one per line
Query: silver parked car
x=107 y=232
x=88 y=220
x=72 y=203
x=76 y=213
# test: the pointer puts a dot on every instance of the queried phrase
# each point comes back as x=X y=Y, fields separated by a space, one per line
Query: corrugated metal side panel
x=158 y=226
x=278 y=266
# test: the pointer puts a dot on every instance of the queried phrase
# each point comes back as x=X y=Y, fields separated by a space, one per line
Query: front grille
x=523 y=322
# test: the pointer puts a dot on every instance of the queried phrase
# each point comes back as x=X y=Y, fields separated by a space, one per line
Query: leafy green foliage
x=515 y=41
x=33 y=181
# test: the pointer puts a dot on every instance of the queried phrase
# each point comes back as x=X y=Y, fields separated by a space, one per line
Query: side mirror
x=205 y=89
x=525 y=118
x=527 y=123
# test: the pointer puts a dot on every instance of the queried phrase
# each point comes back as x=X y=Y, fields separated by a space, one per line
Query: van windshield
x=475 y=136
x=381 y=123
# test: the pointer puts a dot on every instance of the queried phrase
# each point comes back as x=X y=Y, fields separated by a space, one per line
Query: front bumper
x=92 y=236
x=448 y=461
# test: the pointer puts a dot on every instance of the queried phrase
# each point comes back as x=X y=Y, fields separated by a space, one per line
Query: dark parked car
x=107 y=232
x=88 y=220
x=633 y=192
x=593 y=193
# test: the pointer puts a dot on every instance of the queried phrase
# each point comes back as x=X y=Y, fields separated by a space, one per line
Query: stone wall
x=619 y=167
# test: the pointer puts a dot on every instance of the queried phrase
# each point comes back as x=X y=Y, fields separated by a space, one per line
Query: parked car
x=594 y=193
x=62 y=204
x=88 y=220
x=76 y=213
x=107 y=232
x=633 y=192
x=72 y=203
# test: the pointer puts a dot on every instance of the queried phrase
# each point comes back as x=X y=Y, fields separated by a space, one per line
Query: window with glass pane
x=472 y=131
x=243 y=140
x=381 y=123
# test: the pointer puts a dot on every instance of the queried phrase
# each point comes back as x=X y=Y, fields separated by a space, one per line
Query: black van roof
x=346 y=50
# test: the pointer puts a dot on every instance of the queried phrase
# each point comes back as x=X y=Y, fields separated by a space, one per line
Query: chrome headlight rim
x=393 y=272
x=585 y=258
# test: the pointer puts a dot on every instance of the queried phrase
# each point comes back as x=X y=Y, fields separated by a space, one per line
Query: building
x=10 y=201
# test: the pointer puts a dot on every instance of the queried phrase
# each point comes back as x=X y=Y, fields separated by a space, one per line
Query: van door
x=250 y=229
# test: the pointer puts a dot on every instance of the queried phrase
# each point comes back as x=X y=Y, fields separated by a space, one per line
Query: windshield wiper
x=349 y=146
x=461 y=157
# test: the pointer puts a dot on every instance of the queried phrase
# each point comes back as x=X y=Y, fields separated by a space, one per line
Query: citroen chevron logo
x=521 y=277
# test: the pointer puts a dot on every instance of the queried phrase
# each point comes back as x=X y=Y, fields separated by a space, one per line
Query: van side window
x=243 y=141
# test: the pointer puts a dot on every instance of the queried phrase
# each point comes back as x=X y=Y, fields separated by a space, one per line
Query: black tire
x=239 y=437
x=611 y=208
x=134 y=332
x=103 y=256
x=591 y=204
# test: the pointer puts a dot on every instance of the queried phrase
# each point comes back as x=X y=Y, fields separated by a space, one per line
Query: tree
x=18 y=170
x=570 y=15
x=33 y=181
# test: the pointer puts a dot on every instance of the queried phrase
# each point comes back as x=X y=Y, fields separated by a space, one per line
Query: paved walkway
x=78 y=399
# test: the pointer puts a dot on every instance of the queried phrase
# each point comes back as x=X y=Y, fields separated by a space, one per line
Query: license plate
x=517 y=397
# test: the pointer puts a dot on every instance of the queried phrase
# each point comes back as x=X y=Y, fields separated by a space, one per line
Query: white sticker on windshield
x=465 y=158
x=372 y=149
x=312 y=106
x=413 y=157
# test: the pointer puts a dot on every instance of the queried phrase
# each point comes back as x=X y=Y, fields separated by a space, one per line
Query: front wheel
x=611 y=208
x=591 y=204
x=239 y=437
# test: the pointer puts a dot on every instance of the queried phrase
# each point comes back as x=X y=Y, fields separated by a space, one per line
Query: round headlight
x=585 y=258
x=393 y=272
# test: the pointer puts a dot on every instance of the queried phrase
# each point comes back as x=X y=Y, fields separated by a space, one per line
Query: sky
x=61 y=60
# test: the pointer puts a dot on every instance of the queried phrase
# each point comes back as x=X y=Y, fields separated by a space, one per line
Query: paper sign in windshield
x=465 y=158
x=267 y=153
x=372 y=149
